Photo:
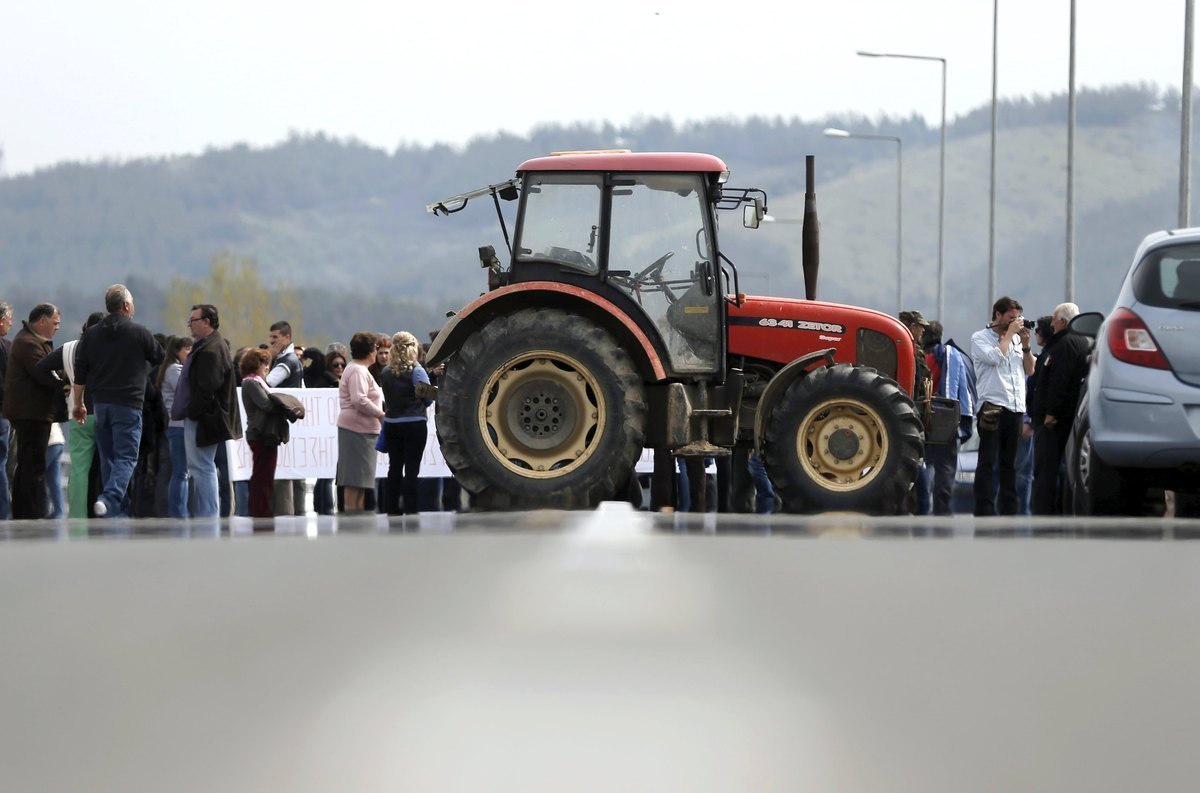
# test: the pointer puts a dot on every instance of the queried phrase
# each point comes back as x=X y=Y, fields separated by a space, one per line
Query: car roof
x=1168 y=237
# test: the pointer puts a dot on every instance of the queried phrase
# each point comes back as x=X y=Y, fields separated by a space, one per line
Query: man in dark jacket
x=29 y=405
x=111 y=362
x=1062 y=367
x=6 y=318
x=206 y=401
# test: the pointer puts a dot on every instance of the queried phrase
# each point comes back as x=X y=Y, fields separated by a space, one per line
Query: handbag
x=291 y=408
x=380 y=441
x=989 y=417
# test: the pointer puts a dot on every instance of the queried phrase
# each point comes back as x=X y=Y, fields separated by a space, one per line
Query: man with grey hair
x=1061 y=371
x=112 y=361
x=6 y=318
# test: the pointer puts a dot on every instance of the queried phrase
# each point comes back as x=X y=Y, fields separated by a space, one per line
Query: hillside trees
x=246 y=304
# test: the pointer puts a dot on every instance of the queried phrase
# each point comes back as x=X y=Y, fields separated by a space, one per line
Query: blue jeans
x=202 y=466
x=941 y=461
x=1024 y=474
x=764 y=493
x=683 y=495
x=241 y=498
x=54 y=488
x=5 y=431
x=118 y=436
x=923 y=488
x=177 y=488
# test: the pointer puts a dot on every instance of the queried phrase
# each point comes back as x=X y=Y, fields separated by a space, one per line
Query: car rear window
x=1169 y=278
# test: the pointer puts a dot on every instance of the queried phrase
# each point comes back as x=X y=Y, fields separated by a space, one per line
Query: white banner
x=311 y=453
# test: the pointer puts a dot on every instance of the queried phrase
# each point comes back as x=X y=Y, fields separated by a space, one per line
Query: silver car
x=1137 y=429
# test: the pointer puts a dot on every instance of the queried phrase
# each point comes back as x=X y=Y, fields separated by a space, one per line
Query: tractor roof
x=624 y=160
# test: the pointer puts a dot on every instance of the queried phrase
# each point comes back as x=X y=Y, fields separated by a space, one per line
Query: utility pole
x=1185 y=142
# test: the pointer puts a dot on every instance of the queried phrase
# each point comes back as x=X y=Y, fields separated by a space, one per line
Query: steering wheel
x=655 y=269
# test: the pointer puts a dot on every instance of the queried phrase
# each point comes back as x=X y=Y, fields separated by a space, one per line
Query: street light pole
x=1185 y=143
x=1071 y=164
x=841 y=133
x=941 y=276
x=992 y=170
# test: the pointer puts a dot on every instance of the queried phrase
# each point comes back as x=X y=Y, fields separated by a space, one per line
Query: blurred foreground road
x=600 y=651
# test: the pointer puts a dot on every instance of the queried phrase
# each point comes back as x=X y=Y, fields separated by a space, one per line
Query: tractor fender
x=779 y=384
x=548 y=294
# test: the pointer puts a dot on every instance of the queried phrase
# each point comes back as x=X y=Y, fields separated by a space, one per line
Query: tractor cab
x=636 y=229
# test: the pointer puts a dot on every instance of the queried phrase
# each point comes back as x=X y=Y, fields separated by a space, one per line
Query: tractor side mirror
x=487 y=257
x=508 y=192
x=752 y=214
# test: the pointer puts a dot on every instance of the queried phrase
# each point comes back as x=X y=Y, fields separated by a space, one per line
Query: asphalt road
x=600 y=651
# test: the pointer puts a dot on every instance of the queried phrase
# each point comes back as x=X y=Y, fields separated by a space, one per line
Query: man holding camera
x=1003 y=360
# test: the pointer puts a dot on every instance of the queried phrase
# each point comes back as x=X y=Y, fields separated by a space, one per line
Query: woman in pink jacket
x=361 y=401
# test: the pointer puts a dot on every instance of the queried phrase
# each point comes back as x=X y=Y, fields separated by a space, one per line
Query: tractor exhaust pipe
x=810 y=247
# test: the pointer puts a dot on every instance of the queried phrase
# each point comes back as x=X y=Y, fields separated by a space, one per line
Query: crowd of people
x=146 y=417
x=1020 y=403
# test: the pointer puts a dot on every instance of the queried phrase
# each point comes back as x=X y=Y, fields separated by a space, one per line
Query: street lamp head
x=831 y=132
x=866 y=54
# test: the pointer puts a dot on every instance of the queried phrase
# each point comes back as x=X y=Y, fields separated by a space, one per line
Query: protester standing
x=266 y=428
x=6 y=318
x=920 y=499
x=285 y=371
x=178 y=349
x=1002 y=360
x=1062 y=367
x=206 y=400
x=29 y=404
x=361 y=401
x=112 y=361
x=324 y=501
x=948 y=372
x=405 y=427
x=81 y=440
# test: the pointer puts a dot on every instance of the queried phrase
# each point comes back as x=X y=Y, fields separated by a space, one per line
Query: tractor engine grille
x=876 y=350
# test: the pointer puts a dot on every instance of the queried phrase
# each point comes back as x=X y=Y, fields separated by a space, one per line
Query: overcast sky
x=85 y=80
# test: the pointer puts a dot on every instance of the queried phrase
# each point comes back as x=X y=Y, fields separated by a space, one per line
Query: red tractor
x=618 y=324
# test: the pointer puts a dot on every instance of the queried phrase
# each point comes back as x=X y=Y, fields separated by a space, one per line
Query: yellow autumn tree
x=247 y=307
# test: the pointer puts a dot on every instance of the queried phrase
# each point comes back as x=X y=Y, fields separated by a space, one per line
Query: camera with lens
x=1029 y=324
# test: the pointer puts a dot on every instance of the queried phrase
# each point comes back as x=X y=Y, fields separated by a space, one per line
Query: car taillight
x=1129 y=340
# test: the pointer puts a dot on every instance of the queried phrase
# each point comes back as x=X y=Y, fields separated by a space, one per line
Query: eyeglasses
x=194 y=319
x=338 y=365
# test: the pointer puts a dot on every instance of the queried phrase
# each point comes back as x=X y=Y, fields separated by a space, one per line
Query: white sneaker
x=100 y=509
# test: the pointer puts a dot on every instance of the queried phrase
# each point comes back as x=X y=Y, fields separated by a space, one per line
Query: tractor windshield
x=660 y=253
x=562 y=220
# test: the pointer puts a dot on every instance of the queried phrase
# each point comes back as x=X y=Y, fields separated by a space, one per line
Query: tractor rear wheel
x=843 y=438
x=541 y=409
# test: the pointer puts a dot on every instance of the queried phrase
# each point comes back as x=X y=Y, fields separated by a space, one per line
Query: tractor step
x=714 y=414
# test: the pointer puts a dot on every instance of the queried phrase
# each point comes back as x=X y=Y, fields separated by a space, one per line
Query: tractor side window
x=659 y=253
x=562 y=220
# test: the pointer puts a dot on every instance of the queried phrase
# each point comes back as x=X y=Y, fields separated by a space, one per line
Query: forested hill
x=343 y=226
